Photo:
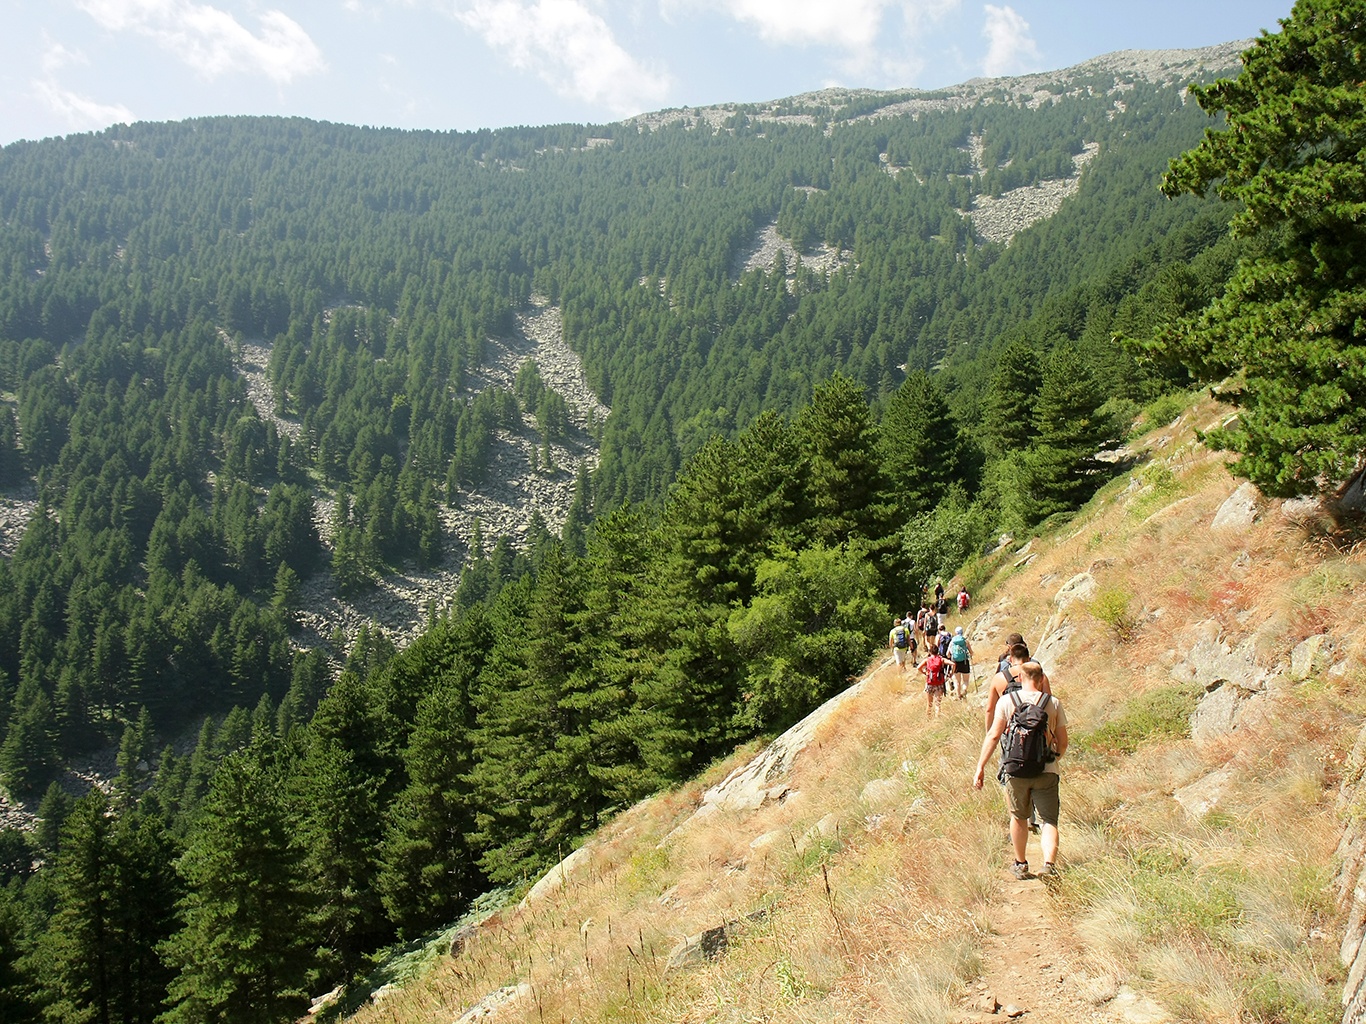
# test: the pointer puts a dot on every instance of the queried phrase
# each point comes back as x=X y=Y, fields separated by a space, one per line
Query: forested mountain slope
x=258 y=366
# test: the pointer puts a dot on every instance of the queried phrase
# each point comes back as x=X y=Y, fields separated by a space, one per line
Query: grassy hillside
x=1196 y=871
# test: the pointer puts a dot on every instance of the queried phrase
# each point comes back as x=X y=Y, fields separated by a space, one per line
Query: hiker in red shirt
x=936 y=671
x=963 y=599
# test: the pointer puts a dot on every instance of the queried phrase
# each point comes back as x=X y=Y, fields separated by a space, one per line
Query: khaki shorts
x=1041 y=792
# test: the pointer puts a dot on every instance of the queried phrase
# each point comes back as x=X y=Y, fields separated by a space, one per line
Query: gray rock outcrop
x=1240 y=509
x=760 y=781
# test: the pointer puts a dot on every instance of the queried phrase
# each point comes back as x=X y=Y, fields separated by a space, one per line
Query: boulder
x=1081 y=587
x=462 y=938
x=1310 y=657
x=881 y=791
x=1216 y=663
x=1054 y=644
x=1240 y=510
x=708 y=945
x=698 y=949
x=1204 y=795
x=556 y=878
x=828 y=825
x=489 y=1005
x=1216 y=716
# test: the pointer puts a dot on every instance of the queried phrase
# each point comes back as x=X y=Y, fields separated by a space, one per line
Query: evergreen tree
x=115 y=893
x=246 y=952
x=1008 y=407
x=918 y=441
x=1292 y=321
x=428 y=870
x=1062 y=466
x=29 y=753
x=846 y=486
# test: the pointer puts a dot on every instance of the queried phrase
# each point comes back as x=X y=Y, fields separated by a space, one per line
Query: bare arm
x=998 y=687
x=993 y=737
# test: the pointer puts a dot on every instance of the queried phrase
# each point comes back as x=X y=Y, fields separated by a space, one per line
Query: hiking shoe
x=1048 y=870
x=1020 y=869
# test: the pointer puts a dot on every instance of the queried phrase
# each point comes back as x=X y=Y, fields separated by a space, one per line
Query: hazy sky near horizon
x=76 y=65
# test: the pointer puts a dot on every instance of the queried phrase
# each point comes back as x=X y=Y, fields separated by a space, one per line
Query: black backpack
x=1024 y=747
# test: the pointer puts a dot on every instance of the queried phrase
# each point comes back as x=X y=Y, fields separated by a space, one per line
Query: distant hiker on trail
x=963 y=599
x=902 y=641
x=1032 y=731
x=920 y=618
x=935 y=670
x=931 y=627
x=960 y=653
x=938 y=593
x=943 y=608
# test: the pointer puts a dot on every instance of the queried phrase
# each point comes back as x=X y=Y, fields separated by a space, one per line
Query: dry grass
x=1223 y=918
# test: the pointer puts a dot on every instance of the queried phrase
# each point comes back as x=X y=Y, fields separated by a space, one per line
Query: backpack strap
x=1015 y=699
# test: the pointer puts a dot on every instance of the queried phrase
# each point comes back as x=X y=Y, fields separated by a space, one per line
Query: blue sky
x=76 y=65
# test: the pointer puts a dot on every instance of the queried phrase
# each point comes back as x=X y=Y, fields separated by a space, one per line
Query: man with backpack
x=1008 y=678
x=1032 y=732
x=960 y=653
x=901 y=640
x=936 y=670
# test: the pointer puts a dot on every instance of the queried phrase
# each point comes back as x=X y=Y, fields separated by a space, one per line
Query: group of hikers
x=948 y=657
x=1023 y=719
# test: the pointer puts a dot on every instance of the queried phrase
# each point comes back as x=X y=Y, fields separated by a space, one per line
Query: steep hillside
x=1209 y=648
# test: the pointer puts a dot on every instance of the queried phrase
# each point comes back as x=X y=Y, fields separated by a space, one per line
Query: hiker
x=935 y=670
x=939 y=593
x=901 y=640
x=931 y=627
x=960 y=653
x=920 y=618
x=963 y=600
x=943 y=608
x=1007 y=678
x=1032 y=731
x=941 y=643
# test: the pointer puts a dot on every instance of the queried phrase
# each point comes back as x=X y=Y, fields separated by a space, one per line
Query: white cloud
x=78 y=111
x=569 y=47
x=850 y=25
x=211 y=40
x=855 y=27
x=57 y=56
x=1011 y=49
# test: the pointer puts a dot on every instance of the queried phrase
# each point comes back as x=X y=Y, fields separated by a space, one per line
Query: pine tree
x=428 y=870
x=29 y=753
x=918 y=441
x=1291 y=324
x=246 y=952
x=1062 y=466
x=115 y=894
x=846 y=486
x=1008 y=408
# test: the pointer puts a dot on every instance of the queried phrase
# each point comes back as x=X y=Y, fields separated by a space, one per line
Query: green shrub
x=1111 y=606
x=1163 y=410
x=1163 y=713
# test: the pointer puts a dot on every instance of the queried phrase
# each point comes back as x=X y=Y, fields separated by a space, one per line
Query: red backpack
x=934 y=670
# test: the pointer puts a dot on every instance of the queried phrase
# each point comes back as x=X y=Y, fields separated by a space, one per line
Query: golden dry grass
x=1222 y=918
